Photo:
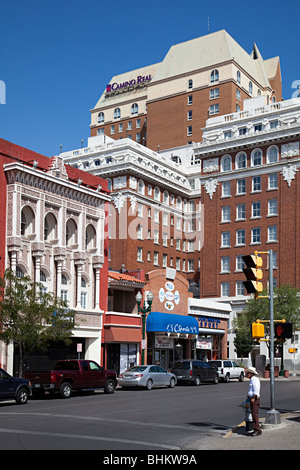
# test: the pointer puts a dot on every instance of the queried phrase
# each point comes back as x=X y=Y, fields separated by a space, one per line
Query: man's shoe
x=256 y=433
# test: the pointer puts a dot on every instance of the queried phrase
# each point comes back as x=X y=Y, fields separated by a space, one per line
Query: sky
x=57 y=56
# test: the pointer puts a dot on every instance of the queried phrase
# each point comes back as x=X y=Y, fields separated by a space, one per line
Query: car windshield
x=137 y=369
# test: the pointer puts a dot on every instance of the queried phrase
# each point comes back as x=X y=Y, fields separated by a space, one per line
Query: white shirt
x=254 y=387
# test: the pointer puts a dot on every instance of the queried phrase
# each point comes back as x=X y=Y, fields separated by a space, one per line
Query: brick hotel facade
x=166 y=105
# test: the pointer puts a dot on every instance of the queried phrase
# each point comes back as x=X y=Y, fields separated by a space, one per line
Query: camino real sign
x=115 y=88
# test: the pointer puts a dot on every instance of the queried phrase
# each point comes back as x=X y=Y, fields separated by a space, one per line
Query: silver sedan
x=147 y=376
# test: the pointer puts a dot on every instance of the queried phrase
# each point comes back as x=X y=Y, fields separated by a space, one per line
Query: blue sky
x=56 y=56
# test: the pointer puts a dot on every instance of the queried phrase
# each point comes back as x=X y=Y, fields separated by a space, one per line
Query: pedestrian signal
x=253 y=273
x=283 y=330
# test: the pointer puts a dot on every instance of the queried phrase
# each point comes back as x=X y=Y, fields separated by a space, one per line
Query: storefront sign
x=209 y=322
x=203 y=343
x=163 y=342
x=178 y=328
x=168 y=296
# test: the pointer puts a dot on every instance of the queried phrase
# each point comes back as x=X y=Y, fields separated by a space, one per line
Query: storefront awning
x=170 y=323
x=122 y=335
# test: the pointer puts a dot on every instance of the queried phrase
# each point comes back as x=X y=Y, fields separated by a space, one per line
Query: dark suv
x=194 y=371
x=14 y=388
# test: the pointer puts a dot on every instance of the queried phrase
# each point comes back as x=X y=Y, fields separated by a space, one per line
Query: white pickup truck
x=228 y=369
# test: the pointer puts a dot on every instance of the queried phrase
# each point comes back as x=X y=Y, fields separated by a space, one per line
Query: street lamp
x=143 y=311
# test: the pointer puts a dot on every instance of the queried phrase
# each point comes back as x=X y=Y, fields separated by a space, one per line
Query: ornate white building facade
x=55 y=222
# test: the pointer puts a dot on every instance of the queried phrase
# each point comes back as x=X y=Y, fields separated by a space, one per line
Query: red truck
x=72 y=374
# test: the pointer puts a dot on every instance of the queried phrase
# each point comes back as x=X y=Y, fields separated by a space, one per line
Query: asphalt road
x=159 y=419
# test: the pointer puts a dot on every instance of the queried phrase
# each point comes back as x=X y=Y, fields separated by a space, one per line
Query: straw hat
x=251 y=370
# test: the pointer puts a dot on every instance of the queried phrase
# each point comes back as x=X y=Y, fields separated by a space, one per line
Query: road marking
x=91 y=438
x=112 y=420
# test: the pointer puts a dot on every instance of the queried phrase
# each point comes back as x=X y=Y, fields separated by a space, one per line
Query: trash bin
x=248 y=415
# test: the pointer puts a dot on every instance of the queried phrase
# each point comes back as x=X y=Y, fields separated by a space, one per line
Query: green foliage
x=31 y=317
x=286 y=304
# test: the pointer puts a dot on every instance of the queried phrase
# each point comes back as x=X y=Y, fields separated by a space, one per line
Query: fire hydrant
x=248 y=415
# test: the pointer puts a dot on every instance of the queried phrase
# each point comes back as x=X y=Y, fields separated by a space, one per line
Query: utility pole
x=272 y=416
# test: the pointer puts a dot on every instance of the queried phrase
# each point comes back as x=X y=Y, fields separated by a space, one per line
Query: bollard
x=248 y=415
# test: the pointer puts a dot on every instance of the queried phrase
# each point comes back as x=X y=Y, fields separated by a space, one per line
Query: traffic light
x=258 y=330
x=283 y=330
x=253 y=273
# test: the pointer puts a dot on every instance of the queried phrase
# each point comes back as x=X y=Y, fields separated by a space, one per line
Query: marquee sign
x=208 y=322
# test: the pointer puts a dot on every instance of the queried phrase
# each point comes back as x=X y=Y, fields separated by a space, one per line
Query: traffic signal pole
x=272 y=416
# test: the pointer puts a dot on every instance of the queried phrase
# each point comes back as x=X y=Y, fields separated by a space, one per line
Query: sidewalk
x=284 y=436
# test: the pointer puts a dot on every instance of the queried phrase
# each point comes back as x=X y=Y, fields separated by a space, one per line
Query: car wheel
x=241 y=377
x=227 y=378
x=216 y=379
x=109 y=386
x=22 y=396
x=65 y=390
x=197 y=380
x=149 y=384
x=172 y=383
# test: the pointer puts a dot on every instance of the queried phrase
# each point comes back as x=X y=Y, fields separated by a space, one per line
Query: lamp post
x=143 y=311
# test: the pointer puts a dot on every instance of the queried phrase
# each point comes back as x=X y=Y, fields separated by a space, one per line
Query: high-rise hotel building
x=220 y=176
x=167 y=104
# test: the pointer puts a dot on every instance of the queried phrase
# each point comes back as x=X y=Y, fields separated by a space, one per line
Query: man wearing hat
x=254 y=396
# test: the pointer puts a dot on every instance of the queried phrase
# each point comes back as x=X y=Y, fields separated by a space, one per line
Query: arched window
x=157 y=193
x=109 y=184
x=71 y=232
x=190 y=83
x=141 y=187
x=50 y=227
x=166 y=197
x=100 y=118
x=117 y=113
x=214 y=76
x=90 y=237
x=250 y=88
x=27 y=221
x=256 y=157
x=179 y=202
x=241 y=160
x=226 y=163
x=272 y=154
x=238 y=76
x=134 y=108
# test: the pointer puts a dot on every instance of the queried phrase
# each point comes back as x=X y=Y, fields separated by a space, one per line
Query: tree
x=243 y=343
x=286 y=306
x=31 y=317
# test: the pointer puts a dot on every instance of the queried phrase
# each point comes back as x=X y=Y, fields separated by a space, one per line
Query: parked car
x=73 y=374
x=194 y=371
x=147 y=376
x=18 y=389
x=228 y=369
